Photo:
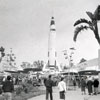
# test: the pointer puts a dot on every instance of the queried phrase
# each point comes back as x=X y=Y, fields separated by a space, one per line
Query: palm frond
x=82 y=21
x=90 y=15
x=78 y=29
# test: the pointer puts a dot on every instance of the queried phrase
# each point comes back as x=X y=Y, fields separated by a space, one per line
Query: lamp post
x=69 y=58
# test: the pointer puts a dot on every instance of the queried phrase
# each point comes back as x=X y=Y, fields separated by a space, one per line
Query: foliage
x=26 y=65
x=92 y=25
x=19 y=90
x=26 y=91
x=78 y=29
x=82 y=60
x=39 y=64
x=2 y=49
x=82 y=21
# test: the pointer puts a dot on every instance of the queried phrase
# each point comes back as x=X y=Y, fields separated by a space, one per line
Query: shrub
x=18 y=90
x=26 y=91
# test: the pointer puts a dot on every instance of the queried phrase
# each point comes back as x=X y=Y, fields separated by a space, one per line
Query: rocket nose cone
x=52 y=21
x=52 y=18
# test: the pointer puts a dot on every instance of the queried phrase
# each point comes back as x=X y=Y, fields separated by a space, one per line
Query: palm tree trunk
x=0 y=59
x=99 y=68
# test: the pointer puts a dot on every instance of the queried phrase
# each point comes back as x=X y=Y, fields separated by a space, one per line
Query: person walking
x=62 y=88
x=49 y=84
x=8 y=88
x=83 y=85
x=89 y=86
x=74 y=83
x=96 y=84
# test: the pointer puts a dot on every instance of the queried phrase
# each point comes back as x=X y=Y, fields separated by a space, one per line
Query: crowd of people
x=84 y=82
x=91 y=84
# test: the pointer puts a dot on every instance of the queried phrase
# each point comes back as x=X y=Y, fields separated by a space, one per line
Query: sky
x=25 y=25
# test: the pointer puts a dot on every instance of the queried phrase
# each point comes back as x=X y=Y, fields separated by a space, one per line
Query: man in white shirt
x=62 y=88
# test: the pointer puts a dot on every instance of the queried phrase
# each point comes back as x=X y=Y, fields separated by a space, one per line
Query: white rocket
x=52 y=55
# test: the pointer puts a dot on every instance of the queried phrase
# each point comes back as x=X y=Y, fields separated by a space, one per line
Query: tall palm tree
x=88 y=24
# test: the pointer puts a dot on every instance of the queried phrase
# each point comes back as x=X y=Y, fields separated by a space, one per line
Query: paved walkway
x=70 y=95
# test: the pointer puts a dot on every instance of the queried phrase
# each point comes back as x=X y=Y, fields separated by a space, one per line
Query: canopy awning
x=89 y=72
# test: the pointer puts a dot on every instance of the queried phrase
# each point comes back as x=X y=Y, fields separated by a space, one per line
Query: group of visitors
x=91 y=84
x=61 y=86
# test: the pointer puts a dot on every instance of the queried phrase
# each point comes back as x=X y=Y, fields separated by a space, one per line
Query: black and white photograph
x=49 y=49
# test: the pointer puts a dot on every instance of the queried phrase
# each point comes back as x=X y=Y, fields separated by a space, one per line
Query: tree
x=97 y=13
x=26 y=65
x=89 y=24
x=82 y=60
x=2 y=49
x=38 y=64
